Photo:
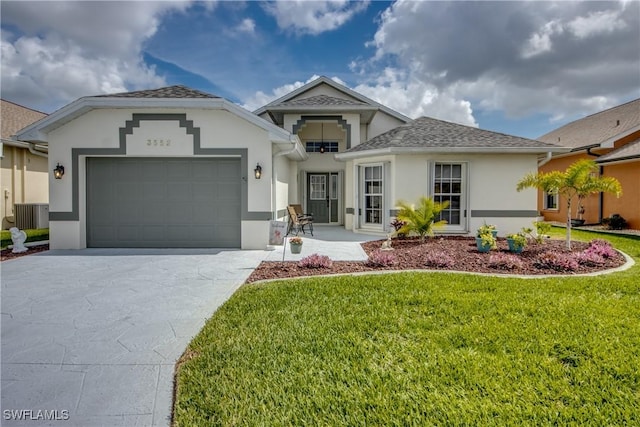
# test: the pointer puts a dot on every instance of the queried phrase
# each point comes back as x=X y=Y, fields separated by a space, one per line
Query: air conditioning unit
x=31 y=215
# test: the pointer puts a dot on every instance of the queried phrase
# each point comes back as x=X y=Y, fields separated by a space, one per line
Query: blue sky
x=522 y=68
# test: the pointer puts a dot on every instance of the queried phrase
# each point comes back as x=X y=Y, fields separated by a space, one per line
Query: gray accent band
x=350 y=211
x=342 y=122
x=74 y=215
x=504 y=214
x=394 y=212
x=281 y=213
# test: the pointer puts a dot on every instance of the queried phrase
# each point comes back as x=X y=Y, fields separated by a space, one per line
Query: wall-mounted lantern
x=258 y=171
x=58 y=171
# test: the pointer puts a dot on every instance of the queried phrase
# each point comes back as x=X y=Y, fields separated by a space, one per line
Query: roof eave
x=447 y=150
x=38 y=131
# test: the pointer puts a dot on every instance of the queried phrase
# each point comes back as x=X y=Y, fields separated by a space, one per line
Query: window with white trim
x=448 y=187
x=550 y=201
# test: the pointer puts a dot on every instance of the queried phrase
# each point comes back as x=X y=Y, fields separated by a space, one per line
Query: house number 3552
x=158 y=142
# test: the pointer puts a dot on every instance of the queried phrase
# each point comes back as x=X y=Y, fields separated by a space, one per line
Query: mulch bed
x=411 y=253
x=6 y=254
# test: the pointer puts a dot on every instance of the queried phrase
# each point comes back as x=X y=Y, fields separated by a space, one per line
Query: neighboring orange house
x=612 y=139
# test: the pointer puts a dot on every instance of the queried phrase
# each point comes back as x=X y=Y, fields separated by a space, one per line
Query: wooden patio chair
x=298 y=221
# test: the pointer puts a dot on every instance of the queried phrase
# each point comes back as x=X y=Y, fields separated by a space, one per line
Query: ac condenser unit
x=31 y=215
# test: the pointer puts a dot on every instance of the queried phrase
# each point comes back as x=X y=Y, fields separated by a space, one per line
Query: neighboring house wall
x=99 y=129
x=629 y=204
x=23 y=175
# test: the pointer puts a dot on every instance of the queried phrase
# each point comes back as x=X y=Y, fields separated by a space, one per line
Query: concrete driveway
x=90 y=338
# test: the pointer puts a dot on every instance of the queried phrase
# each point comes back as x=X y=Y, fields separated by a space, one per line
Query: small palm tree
x=421 y=220
x=579 y=180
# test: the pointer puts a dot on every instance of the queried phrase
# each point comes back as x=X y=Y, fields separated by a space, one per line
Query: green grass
x=33 y=235
x=420 y=349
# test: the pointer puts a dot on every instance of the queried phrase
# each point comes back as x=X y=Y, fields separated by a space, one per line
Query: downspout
x=546 y=160
x=601 y=197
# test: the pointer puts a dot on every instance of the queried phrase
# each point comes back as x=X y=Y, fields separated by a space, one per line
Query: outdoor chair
x=298 y=221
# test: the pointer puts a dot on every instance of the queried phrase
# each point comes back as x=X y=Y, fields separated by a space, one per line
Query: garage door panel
x=138 y=202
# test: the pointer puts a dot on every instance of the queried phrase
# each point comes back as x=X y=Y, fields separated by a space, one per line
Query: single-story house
x=24 y=173
x=612 y=139
x=176 y=167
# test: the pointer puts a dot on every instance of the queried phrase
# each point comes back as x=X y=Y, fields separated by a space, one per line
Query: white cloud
x=540 y=42
x=313 y=16
x=597 y=23
x=247 y=26
x=260 y=99
x=59 y=51
x=520 y=58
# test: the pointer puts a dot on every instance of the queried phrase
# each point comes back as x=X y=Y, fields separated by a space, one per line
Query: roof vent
x=617 y=122
x=558 y=139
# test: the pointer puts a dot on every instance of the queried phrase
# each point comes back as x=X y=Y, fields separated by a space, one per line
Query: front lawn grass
x=420 y=349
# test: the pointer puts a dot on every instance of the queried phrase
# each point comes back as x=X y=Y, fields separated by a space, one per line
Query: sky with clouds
x=519 y=67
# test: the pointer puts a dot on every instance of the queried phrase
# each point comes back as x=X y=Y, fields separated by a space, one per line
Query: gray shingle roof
x=319 y=100
x=15 y=117
x=426 y=132
x=177 y=91
x=596 y=128
x=628 y=151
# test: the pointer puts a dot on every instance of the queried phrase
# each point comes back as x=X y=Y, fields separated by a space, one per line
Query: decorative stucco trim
x=242 y=153
x=342 y=122
x=504 y=213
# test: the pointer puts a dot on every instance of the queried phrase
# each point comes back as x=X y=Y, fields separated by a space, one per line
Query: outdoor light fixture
x=258 y=171
x=322 y=148
x=58 y=171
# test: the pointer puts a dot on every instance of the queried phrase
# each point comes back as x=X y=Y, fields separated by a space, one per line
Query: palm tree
x=422 y=219
x=579 y=180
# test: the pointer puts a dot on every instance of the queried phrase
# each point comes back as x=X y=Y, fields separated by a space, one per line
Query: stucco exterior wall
x=156 y=138
x=23 y=179
x=490 y=196
x=381 y=123
x=628 y=205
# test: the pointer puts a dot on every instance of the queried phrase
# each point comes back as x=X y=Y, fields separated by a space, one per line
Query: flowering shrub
x=556 y=261
x=602 y=248
x=381 y=259
x=315 y=261
x=502 y=261
x=439 y=259
x=589 y=258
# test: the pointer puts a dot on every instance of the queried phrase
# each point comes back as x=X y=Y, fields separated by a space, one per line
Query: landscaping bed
x=6 y=254
x=453 y=253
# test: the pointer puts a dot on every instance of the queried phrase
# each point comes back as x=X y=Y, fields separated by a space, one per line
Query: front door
x=322 y=197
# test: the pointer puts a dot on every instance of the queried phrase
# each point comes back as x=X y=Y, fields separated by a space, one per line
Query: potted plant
x=487 y=228
x=295 y=243
x=485 y=241
x=575 y=222
x=517 y=242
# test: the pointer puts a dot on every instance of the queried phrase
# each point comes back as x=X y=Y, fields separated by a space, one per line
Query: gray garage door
x=163 y=203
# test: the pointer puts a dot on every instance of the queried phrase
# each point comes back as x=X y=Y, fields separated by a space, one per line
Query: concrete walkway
x=92 y=336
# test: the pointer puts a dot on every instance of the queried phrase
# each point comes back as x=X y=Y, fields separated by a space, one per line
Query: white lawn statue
x=18 y=237
x=386 y=245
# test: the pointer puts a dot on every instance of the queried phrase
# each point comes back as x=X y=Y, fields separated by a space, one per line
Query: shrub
x=421 y=219
x=502 y=261
x=615 y=222
x=590 y=259
x=439 y=259
x=556 y=261
x=315 y=261
x=381 y=259
x=602 y=248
